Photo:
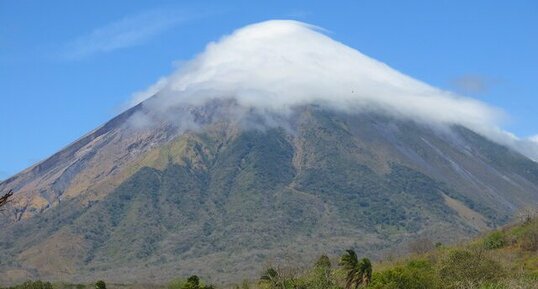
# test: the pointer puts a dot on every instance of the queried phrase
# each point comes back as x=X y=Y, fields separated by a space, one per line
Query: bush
x=466 y=268
x=100 y=285
x=528 y=239
x=193 y=282
x=416 y=274
x=33 y=285
x=494 y=240
x=321 y=277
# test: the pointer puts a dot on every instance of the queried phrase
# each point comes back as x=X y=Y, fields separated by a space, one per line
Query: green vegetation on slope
x=506 y=258
x=503 y=259
x=221 y=204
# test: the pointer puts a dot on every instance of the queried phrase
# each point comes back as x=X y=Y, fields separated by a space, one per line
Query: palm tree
x=272 y=277
x=358 y=273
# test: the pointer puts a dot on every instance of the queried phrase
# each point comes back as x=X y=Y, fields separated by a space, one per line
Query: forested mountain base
x=502 y=259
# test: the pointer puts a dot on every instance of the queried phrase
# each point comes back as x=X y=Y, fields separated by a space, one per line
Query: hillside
x=219 y=201
x=505 y=258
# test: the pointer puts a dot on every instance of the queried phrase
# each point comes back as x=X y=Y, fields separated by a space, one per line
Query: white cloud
x=127 y=32
x=528 y=147
x=140 y=96
x=275 y=65
x=473 y=83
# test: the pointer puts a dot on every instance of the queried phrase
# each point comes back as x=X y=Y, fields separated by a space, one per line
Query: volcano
x=275 y=144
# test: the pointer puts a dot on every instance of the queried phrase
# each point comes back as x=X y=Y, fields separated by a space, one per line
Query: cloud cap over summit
x=278 y=64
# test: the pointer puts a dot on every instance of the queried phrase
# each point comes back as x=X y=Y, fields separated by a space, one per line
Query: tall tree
x=194 y=282
x=358 y=273
x=322 y=274
x=6 y=198
x=100 y=285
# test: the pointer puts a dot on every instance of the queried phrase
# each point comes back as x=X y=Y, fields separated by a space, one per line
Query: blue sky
x=68 y=66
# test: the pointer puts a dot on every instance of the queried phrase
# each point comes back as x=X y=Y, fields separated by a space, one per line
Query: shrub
x=33 y=285
x=462 y=267
x=494 y=240
x=321 y=277
x=416 y=274
x=100 y=285
x=528 y=239
x=193 y=282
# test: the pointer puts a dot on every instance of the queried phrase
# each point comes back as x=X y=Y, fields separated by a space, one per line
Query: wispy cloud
x=127 y=32
x=473 y=83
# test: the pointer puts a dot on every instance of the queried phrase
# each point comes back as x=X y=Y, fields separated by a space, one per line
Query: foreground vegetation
x=503 y=259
